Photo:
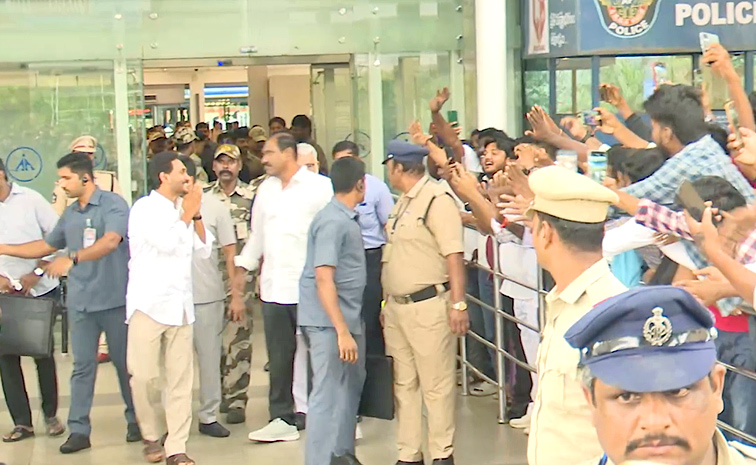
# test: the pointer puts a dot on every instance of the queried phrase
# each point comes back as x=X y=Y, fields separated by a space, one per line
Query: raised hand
x=437 y=102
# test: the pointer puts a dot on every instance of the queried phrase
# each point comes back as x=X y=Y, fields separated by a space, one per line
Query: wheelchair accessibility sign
x=23 y=164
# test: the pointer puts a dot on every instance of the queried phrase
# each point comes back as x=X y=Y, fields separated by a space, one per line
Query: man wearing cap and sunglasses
x=651 y=380
x=105 y=180
x=237 y=196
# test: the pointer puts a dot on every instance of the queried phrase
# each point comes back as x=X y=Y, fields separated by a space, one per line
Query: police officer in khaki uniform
x=650 y=374
x=423 y=279
x=237 y=345
x=568 y=215
x=105 y=180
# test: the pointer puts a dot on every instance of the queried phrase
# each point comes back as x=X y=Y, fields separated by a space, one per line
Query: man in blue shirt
x=329 y=313
x=373 y=215
x=93 y=229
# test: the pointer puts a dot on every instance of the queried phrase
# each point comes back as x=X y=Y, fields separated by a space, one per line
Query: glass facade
x=79 y=68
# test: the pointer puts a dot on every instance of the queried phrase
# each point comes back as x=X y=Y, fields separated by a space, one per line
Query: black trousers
x=371 y=304
x=14 y=388
x=523 y=383
x=280 y=325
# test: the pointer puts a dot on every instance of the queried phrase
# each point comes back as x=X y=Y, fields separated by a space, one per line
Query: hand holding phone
x=706 y=39
x=590 y=118
x=688 y=198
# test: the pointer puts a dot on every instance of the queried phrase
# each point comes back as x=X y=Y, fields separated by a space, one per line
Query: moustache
x=225 y=172
x=656 y=440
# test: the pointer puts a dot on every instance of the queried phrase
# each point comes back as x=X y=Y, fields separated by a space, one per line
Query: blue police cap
x=648 y=339
x=404 y=151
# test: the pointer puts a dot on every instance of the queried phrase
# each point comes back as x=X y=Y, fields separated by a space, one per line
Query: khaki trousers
x=161 y=362
x=419 y=339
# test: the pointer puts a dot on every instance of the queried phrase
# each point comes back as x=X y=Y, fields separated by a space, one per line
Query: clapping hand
x=464 y=183
x=193 y=200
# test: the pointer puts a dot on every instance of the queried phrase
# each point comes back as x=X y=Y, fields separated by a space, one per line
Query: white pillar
x=259 y=96
x=495 y=62
x=197 y=98
x=121 y=120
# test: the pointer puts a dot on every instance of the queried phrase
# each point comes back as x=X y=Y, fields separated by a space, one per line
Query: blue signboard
x=563 y=28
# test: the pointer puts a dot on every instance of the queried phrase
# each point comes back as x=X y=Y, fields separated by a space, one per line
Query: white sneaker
x=520 y=423
x=358 y=433
x=483 y=389
x=276 y=431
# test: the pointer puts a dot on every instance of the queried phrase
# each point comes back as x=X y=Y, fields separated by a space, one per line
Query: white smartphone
x=707 y=39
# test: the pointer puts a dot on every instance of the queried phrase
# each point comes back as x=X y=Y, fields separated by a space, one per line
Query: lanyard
x=406 y=206
x=603 y=460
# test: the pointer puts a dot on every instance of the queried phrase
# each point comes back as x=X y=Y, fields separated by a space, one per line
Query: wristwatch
x=197 y=218
x=38 y=271
x=74 y=257
x=460 y=306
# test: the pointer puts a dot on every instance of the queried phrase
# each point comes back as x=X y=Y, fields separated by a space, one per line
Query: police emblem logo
x=627 y=18
x=658 y=329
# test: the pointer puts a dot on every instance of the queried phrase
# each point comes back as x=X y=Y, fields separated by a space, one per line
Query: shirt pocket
x=559 y=381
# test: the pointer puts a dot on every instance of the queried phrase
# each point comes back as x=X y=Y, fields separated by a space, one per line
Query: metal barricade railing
x=502 y=355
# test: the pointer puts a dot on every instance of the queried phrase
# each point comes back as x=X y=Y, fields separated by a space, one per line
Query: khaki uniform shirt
x=733 y=453
x=239 y=204
x=105 y=180
x=419 y=239
x=201 y=174
x=561 y=428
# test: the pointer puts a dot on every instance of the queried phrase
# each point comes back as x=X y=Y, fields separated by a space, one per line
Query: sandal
x=153 y=451
x=19 y=433
x=179 y=459
x=54 y=427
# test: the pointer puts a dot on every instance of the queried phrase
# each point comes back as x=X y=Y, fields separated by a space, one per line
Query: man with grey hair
x=307 y=156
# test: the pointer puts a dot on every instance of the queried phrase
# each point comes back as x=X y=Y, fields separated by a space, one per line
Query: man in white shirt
x=285 y=205
x=25 y=216
x=164 y=233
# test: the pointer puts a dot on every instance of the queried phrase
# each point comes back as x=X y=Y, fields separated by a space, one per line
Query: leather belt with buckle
x=419 y=296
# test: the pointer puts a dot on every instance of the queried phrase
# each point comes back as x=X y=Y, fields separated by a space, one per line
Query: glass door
x=332 y=105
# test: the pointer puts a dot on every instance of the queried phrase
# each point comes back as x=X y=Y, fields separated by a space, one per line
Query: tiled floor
x=480 y=439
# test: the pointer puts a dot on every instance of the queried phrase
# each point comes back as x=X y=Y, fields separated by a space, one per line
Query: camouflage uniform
x=237 y=346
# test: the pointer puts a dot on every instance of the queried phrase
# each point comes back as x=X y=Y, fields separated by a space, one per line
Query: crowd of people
x=647 y=290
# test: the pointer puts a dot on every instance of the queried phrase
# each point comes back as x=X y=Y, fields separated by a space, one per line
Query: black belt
x=373 y=251
x=419 y=296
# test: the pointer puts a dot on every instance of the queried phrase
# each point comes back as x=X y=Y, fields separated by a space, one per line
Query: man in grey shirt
x=329 y=313
x=93 y=229
x=209 y=294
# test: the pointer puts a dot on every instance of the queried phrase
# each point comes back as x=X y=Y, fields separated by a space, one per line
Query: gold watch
x=460 y=306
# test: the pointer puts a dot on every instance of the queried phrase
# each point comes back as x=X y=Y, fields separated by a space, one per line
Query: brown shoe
x=153 y=451
x=179 y=459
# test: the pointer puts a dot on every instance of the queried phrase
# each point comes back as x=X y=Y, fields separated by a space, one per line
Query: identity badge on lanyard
x=90 y=235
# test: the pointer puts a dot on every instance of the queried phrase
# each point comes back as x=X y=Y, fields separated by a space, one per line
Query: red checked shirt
x=667 y=221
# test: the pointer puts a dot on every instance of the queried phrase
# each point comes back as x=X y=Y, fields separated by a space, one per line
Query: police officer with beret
x=649 y=373
x=568 y=215
x=423 y=280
